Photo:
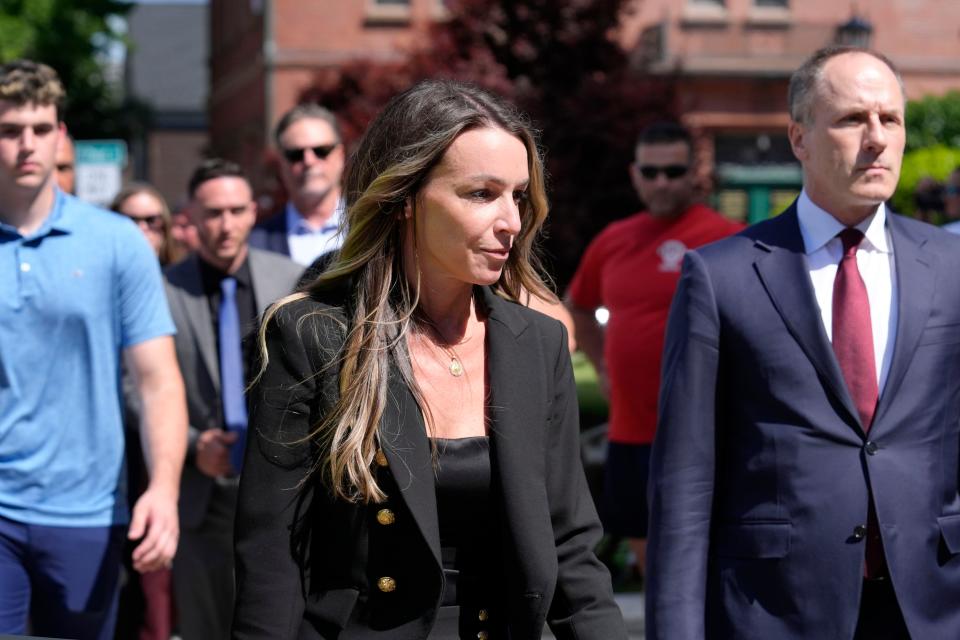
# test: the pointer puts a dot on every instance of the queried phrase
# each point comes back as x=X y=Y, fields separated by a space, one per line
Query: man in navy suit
x=311 y=165
x=804 y=474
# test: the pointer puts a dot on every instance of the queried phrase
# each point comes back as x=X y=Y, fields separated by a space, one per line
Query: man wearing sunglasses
x=632 y=268
x=311 y=164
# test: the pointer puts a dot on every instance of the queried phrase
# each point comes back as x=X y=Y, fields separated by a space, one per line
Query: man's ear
x=634 y=176
x=62 y=134
x=796 y=133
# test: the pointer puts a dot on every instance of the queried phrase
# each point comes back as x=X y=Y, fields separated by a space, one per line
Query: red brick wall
x=921 y=36
x=732 y=65
x=171 y=158
x=306 y=36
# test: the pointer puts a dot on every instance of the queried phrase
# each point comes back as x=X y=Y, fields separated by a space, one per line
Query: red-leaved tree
x=559 y=62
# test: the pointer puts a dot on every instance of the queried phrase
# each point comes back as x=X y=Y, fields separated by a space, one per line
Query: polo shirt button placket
x=28 y=277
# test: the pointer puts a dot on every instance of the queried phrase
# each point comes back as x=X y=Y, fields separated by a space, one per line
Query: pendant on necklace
x=456 y=369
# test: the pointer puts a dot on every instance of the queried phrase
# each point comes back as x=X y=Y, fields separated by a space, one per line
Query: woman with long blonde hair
x=413 y=468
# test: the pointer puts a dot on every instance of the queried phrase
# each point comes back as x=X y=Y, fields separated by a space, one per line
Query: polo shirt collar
x=817 y=227
x=62 y=218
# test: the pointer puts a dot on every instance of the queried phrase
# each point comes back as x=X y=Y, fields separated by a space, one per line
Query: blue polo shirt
x=73 y=294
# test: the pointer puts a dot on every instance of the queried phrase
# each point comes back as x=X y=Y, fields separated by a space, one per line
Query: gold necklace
x=455 y=367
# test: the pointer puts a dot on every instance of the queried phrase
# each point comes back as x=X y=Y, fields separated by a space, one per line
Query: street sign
x=99 y=169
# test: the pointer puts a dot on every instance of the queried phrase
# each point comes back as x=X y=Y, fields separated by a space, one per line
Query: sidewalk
x=631 y=604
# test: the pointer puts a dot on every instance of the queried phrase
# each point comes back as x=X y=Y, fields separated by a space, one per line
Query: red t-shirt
x=632 y=268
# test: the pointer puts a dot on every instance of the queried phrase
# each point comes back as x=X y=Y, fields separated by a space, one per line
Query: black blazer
x=304 y=559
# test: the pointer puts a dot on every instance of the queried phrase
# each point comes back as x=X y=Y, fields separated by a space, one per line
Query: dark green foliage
x=933 y=145
x=934 y=120
x=72 y=36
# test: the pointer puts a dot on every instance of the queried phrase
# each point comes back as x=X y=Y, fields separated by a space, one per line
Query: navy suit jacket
x=761 y=471
x=271 y=234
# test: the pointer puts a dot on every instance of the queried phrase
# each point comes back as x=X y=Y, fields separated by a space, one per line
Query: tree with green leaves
x=934 y=120
x=933 y=145
x=74 y=38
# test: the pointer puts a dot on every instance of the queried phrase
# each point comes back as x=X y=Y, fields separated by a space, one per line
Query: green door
x=755 y=193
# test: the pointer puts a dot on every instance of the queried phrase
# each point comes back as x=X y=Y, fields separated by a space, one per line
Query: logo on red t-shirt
x=671 y=255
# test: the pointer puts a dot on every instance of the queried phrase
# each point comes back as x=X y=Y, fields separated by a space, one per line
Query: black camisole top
x=469 y=541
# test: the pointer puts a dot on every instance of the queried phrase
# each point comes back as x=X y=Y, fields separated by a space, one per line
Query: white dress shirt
x=308 y=243
x=875 y=260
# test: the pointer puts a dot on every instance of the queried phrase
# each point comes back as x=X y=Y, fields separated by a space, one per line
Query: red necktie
x=852 y=330
x=853 y=345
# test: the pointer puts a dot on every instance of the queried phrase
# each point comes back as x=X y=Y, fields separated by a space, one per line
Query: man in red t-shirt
x=632 y=268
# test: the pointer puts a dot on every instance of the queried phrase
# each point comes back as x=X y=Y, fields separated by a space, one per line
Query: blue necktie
x=231 y=370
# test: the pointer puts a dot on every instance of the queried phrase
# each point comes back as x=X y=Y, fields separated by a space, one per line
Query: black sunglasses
x=672 y=171
x=153 y=221
x=296 y=155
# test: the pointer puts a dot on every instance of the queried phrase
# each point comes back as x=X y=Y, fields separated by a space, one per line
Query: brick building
x=166 y=69
x=263 y=53
x=730 y=60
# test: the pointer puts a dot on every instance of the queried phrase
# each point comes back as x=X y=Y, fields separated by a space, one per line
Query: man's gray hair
x=804 y=81
x=310 y=110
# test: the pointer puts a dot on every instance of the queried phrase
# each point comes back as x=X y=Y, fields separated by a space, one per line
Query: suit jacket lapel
x=915 y=287
x=281 y=243
x=403 y=438
x=266 y=287
x=403 y=434
x=198 y=316
x=516 y=410
x=510 y=376
x=782 y=267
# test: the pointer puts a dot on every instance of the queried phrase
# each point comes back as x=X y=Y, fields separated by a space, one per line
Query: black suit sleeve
x=683 y=462
x=583 y=604
x=284 y=409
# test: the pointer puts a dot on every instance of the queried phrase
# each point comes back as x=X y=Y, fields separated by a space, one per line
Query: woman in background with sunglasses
x=143 y=204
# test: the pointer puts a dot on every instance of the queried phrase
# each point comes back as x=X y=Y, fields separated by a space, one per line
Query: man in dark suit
x=311 y=165
x=215 y=297
x=805 y=470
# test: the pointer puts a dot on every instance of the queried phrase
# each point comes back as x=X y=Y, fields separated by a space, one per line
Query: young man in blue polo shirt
x=79 y=287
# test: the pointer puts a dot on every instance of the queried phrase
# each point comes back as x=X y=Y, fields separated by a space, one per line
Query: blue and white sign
x=99 y=169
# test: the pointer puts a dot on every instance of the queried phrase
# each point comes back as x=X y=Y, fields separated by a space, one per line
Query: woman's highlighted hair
x=392 y=162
